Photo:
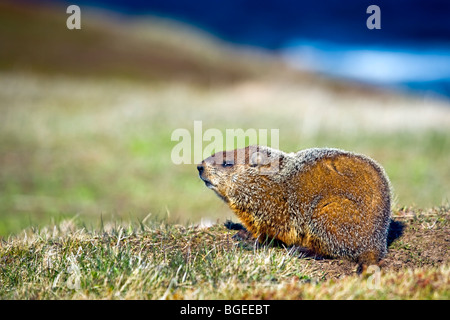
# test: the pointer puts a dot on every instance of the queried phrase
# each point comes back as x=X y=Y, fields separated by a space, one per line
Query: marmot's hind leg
x=368 y=258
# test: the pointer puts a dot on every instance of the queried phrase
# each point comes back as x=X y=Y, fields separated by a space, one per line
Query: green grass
x=155 y=260
x=87 y=147
x=132 y=262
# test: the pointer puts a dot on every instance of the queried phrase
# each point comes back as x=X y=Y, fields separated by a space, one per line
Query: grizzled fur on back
x=333 y=202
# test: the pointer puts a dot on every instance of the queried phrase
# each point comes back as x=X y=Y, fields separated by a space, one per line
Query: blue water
x=411 y=50
x=416 y=69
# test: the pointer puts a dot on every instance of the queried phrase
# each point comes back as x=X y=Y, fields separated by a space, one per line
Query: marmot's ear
x=266 y=163
x=259 y=159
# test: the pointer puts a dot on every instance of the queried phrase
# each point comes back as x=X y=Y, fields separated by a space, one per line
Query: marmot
x=332 y=202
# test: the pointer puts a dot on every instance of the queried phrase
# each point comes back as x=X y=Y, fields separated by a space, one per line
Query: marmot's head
x=241 y=172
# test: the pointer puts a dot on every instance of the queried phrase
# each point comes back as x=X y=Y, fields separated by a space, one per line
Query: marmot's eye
x=227 y=164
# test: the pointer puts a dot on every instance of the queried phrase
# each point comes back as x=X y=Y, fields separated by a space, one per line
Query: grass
x=156 y=260
x=70 y=146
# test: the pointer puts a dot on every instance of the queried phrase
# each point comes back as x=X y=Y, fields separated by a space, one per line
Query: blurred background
x=86 y=116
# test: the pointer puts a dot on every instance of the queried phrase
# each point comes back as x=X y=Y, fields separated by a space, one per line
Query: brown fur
x=333 y=202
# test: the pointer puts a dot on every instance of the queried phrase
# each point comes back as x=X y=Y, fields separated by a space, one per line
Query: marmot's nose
x=200 y=168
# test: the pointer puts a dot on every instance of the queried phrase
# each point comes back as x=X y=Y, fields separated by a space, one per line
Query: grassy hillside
x=35 y=39
x=149 y=260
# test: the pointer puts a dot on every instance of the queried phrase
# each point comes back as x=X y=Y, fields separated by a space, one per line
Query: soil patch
x=417 y=239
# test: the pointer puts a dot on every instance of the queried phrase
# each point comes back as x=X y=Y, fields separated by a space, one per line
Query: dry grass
x=160 y=261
